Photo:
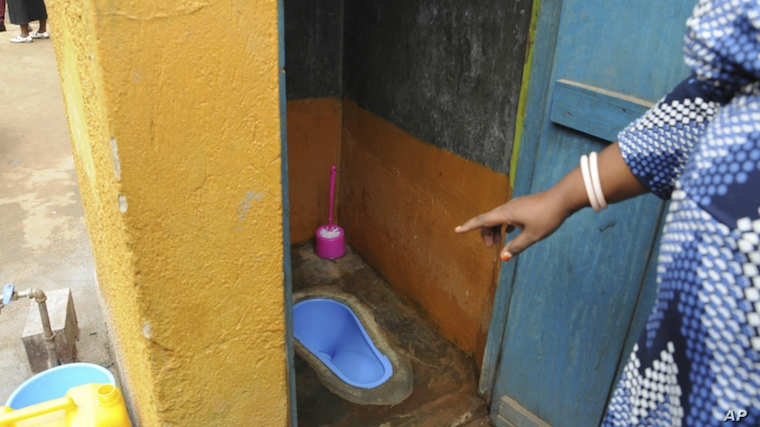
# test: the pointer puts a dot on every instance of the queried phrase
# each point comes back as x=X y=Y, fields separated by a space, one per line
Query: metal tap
x=10 y=294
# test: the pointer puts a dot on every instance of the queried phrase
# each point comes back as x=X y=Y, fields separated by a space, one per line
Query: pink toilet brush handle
x=332 y=193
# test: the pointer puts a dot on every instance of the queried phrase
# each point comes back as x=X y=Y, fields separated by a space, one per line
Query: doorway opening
x=415 y=103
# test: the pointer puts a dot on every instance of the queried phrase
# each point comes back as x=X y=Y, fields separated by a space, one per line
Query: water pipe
x=10 y=294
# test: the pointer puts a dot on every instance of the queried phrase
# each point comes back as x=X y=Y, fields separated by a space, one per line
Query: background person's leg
x=2 y=15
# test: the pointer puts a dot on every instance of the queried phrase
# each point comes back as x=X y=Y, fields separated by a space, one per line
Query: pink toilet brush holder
x=330 y=240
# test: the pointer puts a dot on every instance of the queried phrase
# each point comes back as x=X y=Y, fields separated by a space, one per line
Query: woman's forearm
x=539 y=215
x=618 y=182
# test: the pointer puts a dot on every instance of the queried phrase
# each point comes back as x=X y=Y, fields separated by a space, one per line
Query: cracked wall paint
x=156 y=121
x=122 y=203
x=246 y=204
x=116 y=162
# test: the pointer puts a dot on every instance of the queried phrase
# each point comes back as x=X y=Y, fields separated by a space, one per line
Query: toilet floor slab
x=445 y=381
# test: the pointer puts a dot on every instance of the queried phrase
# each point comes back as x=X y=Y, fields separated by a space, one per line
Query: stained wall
x=448 y=72
x=399 y=208
x=431 y=91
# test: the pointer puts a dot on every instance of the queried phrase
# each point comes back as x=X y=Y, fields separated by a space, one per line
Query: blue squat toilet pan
x=339 y=338
x=334 y=334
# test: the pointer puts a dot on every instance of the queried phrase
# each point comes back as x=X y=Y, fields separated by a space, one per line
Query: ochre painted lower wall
x=174 y=116
x=314 y=132
x=400 y=201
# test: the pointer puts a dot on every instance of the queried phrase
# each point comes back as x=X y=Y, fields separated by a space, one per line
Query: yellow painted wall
x=173 y=108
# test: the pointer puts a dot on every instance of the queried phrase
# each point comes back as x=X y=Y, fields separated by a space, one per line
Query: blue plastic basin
x=333 y=333
x=55 y=382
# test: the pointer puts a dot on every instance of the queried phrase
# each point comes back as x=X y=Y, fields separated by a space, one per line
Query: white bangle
x=587 y=183
x=595 y=181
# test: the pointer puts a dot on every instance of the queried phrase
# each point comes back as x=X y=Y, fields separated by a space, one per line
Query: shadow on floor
x=445 y=382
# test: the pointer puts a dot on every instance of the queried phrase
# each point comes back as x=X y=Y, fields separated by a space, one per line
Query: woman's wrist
x=569 y=194
x=616 y=182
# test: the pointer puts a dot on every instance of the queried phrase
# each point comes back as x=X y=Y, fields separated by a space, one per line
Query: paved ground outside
x=43 y=237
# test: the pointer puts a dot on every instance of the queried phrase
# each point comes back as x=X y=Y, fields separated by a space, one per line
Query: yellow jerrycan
x=88 y=405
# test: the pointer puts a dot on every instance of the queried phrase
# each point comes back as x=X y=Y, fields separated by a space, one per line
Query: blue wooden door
x=570 y=308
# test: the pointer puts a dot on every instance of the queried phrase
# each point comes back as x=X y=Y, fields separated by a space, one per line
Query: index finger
x=483 y=220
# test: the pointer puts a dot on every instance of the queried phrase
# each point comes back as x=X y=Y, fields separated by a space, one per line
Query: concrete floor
x=43 y=237
x=444 y=378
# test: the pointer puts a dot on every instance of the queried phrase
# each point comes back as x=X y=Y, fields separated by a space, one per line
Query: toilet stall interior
x=415 y=101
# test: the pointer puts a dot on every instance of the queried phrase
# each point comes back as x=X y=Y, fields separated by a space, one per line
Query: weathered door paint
x=569 y=309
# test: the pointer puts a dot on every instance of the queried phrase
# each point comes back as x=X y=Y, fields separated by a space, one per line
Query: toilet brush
x=330 y=239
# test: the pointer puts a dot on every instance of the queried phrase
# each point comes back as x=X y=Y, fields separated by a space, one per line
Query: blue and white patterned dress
x=699 y=356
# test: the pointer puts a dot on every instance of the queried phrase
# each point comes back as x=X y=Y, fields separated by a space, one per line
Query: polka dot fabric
x=655 y=395
x=721 y=44
x=699 y=355
x=729 y=161
x=657 y=146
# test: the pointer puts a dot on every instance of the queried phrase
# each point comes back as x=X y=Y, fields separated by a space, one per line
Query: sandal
x=19 y=39
x=36 y=35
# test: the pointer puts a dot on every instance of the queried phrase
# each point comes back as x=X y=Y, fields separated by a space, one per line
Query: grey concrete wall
x=313 y=48
x=446 y=71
